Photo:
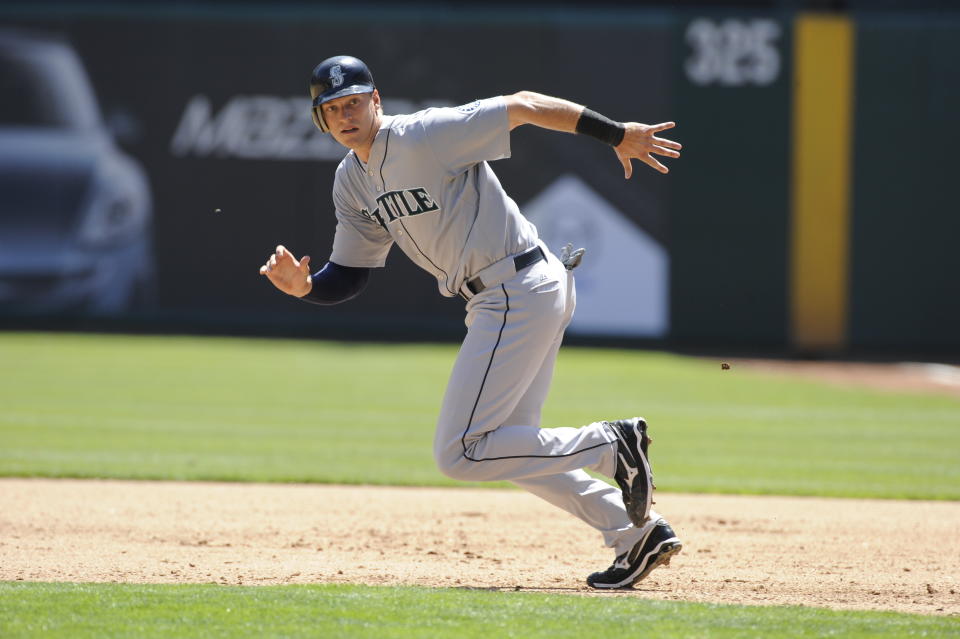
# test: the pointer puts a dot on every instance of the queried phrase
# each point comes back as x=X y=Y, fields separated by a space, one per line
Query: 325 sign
x=733 y=52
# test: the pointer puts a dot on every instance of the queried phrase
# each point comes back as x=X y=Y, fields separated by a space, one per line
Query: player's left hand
x=640 y=141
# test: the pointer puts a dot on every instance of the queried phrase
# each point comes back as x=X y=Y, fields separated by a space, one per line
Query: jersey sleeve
x=466 y=135
x=359 y=240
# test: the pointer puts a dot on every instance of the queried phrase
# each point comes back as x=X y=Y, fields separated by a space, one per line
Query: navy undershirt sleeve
x=334 y=284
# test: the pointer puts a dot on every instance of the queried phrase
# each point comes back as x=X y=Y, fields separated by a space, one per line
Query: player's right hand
x=287 y=273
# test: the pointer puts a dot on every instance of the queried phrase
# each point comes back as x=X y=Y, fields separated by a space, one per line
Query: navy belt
x=520 y=262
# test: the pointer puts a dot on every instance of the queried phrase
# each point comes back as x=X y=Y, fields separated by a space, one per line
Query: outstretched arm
x=637 y=141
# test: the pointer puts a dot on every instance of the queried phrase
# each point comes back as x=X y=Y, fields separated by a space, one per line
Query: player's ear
x=375 y=96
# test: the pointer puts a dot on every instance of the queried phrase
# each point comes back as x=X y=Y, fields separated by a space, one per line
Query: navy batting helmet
x=334 y=78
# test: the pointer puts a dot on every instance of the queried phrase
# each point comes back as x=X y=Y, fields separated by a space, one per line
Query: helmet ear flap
x=318 y=119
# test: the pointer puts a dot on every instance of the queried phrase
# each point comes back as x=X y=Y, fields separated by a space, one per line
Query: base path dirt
x=846 y=554
x=901 y=377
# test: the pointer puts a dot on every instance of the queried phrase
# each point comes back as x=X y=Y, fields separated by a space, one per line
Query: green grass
x=285 y=410
x=76 y=611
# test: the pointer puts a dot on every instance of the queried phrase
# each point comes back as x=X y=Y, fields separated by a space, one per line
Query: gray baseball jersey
x=428 y=187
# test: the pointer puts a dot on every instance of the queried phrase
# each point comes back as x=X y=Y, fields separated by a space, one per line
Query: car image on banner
x=75 y=211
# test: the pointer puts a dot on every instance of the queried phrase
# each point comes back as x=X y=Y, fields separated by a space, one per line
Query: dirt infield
x=846 y=554
x=914 y=377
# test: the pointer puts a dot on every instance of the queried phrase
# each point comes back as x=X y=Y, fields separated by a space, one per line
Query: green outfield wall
x=812 y=210
x=728 y=221
x=796 y=219
x=905 y=226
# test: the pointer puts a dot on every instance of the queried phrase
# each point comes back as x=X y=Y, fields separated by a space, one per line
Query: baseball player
x=422 y=181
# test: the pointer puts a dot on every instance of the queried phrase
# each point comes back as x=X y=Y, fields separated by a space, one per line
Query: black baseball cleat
x=655 y=549
x=633 y=473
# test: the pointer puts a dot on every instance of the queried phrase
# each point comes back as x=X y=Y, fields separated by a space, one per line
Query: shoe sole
x=665 y=550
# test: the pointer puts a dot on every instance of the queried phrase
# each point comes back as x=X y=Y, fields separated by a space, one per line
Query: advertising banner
x=151 y=163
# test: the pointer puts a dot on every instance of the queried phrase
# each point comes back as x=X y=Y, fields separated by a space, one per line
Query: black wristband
x=600 y=127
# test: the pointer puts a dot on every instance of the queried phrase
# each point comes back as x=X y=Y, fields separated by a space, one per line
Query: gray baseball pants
x=489 y=424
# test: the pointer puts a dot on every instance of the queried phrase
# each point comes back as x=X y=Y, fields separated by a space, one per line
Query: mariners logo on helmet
x=336 y=75
x=335 y=78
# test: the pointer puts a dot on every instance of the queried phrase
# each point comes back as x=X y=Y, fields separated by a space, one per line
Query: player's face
x=353 y=119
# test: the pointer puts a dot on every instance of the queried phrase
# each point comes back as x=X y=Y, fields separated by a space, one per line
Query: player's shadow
x=549 y=589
